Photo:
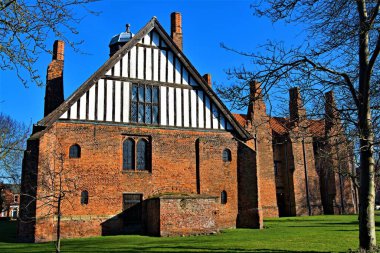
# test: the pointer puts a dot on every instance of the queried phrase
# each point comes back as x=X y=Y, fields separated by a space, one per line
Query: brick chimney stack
x=207 y=78
x=331 y=113
x=54 y=79
x=296 y=108
x=176 y=28
x=256 y=101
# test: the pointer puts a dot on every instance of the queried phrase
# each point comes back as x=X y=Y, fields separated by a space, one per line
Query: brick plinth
x=171 y=215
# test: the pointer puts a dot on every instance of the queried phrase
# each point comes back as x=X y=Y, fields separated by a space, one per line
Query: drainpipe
x=306 y=177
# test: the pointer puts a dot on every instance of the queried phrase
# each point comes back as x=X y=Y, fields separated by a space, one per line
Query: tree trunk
x=58 y=242
x=367 y=233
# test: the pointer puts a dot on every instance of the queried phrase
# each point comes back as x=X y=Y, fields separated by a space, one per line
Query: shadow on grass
x=8 y=231
x=175 y=249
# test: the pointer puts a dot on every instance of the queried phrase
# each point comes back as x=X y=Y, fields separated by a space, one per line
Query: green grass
x=296 y=234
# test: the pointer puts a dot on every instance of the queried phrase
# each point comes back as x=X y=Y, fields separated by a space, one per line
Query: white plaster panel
x=125 y=65
x=178 y=106
x=163 y=66
x=148 y=64
x=155 y=64
x=117 y=101
x=171 y=106
x=140 y=63
x=185 y=77
x=208 y=113
x=73 y=111
x=82 y=109
x=64 y=116
x=163 y=108
x=215 y=113
x=91 y=104
x=177 y=71
x=147 y=39
x=186 y=116
x=133 y=63
x=125 y=102
x=170 y=67
x=100 y=115
x=156 y=39
x=193 y=108
x=200 y=109
x=222 y=122
x=116 y=70
x=109 y=85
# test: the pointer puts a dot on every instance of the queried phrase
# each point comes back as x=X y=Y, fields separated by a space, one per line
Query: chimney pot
x=58 y=50
x=207 y=78
x=176 y=28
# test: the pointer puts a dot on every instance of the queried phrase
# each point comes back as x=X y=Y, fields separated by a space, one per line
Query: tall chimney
x=256 y=101
x=176 y=28
x=296 y=108
x=207 y=78
x=54 y=79
x=331 y=113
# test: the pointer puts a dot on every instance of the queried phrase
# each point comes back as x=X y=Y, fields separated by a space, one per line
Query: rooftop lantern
x=119 y=40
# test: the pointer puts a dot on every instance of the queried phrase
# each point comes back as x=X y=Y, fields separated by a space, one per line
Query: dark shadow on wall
x=248 y=211
x=127 y=222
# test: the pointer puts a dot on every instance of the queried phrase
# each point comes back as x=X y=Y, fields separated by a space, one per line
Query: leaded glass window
x=136 y=154
x=74 y=151
x=128 y=154
x=84 y=197
x=142 y=154
x=144 y=104
x=223 y=197
x=227 y=155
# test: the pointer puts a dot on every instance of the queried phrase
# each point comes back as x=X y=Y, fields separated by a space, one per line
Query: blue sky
x=205 y=25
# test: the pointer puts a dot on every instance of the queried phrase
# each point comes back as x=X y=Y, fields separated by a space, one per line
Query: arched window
x=227 y=155
x=74 y=151
x=128 y=154
x=142 y=161
x=84 y=197
x=223 y=197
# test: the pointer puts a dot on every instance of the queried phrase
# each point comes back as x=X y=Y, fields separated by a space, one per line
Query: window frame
x=84 y=197
x=132 y=201
x=229 y=155
x=223 y=197
x=145 y=104
x=135 y=150
x=79 y=154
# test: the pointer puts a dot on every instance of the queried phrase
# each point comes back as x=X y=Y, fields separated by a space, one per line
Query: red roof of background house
x=280 y=125
x=241 y=118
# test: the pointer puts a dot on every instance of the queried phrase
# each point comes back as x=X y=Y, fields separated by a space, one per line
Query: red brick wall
x=99 y=170
x=250 y=212
x=182 y=215
x=299 y=177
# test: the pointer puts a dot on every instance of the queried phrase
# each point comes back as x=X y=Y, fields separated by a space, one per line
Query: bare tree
x=341 y=54
x=13 y=136
x=25 y=26
x=53 y=188
x=56 y=183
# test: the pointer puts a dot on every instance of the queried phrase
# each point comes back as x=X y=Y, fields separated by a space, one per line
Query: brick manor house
x=145 y=145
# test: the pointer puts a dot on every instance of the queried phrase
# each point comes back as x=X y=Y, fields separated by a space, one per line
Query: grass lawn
x=296 y=234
